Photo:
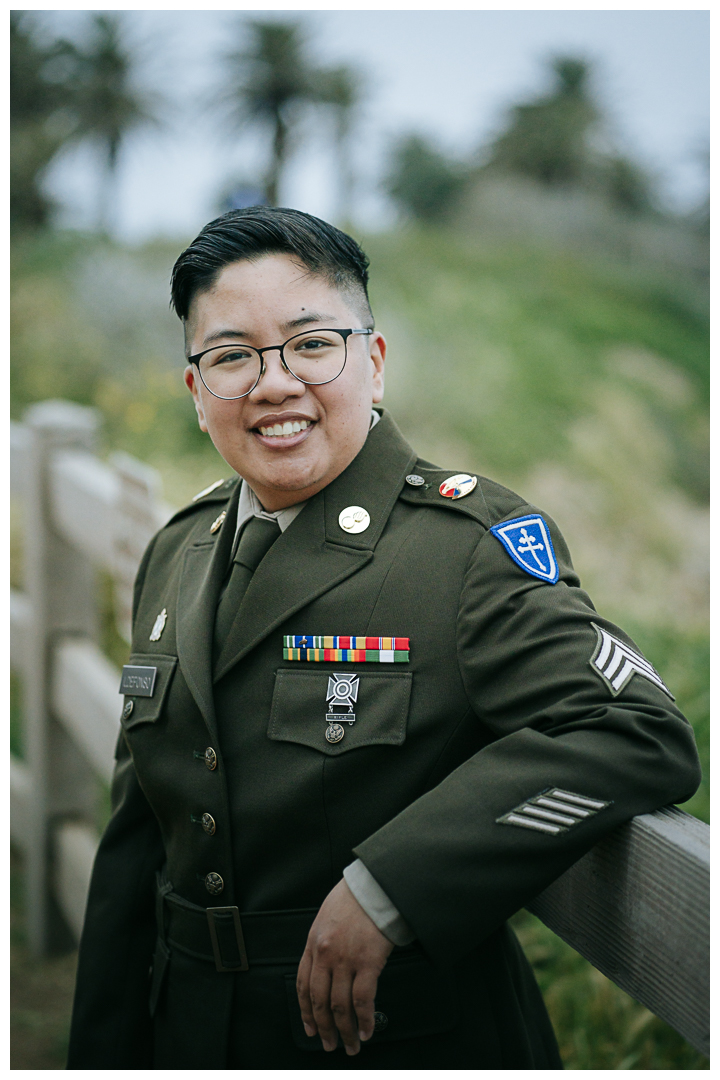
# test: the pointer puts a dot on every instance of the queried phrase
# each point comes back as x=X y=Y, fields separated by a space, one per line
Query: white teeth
x=290 y=427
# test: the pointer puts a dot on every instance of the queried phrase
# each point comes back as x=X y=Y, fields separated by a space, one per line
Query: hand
x=339 y=970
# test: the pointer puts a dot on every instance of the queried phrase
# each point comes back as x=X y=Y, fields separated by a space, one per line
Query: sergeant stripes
x=358 y=650
x=616 y=663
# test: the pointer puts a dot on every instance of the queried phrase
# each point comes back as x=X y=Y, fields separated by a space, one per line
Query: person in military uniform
x=369 y=714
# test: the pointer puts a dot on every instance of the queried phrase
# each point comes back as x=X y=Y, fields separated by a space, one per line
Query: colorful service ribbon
x=354 y=650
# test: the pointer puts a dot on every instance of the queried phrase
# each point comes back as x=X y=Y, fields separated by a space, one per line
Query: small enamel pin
x=456 y=487
x=159 y=626
x=342 y=694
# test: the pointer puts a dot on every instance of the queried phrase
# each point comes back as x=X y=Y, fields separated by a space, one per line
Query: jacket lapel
x=203 y=572
x=314 y=554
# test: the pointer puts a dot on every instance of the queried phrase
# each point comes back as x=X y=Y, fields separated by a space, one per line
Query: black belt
x=231 y=939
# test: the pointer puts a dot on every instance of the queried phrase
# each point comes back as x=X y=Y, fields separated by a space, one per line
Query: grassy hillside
x=581 y=384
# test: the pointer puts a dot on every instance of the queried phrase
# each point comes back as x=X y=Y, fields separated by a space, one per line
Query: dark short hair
x=265 y=230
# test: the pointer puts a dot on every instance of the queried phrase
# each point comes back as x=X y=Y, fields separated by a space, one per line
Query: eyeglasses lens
x=315 y=357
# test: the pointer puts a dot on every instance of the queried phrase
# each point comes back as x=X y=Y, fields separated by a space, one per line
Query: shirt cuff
x=377 y=904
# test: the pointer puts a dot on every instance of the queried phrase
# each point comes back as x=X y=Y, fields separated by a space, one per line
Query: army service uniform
x=512 y=697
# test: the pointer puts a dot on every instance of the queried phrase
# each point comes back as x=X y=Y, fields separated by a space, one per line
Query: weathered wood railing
x=636 y=906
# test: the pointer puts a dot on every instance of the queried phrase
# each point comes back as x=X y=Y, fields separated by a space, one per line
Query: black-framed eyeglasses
x=314 y=357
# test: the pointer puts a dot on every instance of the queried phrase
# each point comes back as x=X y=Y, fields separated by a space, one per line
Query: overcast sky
x=450 y=75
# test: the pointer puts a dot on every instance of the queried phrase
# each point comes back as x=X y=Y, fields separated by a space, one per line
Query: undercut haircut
x=250 y=233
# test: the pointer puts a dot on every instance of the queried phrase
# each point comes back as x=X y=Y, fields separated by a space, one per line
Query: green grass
x=597 y=1025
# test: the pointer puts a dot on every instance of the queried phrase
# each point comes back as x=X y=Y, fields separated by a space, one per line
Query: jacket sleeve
x=525 y=650
x=111 y=1027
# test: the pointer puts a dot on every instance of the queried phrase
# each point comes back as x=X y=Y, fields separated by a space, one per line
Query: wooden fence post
x=60 y=588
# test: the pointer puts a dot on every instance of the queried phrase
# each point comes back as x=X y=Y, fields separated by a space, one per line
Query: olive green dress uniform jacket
x=497 y=703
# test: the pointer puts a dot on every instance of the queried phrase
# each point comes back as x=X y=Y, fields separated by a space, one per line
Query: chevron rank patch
x=527 y=541
x=552 y=811
x=355 y=650
x=616 y=663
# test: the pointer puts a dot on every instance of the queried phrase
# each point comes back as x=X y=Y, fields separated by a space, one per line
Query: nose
x=276 y=383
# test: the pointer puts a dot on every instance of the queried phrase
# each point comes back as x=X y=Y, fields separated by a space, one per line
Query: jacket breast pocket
x=334 y=711
x=414 y=998
x=145 y=682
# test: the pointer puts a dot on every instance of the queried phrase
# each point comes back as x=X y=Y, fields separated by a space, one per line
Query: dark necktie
x=256 y=539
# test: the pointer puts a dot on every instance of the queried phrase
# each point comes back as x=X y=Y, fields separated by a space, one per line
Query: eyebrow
x=293 y=324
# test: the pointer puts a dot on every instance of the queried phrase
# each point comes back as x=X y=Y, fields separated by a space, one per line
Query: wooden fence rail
x=636 y=906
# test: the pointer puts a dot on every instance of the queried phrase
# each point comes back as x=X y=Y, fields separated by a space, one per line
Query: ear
x=378 y=347
x=190 y=382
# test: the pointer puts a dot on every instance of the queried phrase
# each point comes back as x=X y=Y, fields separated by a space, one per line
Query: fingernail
x=308 y=1030
x=365 y=1035
x=352 y=1050
x=327 y=1045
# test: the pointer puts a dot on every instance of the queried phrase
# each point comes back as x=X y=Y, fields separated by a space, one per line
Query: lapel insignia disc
x=456 y=487
x=414 y=480
x=218 y=522
x=353 y=650
x=342 y=694
x=159 y=626
x=354 y=519
x=527 y=542
x=616 y=663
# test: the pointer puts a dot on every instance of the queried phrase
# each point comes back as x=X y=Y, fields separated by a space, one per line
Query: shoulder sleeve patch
x=528 y=543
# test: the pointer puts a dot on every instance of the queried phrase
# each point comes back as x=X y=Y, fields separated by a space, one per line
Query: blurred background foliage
x=547 y=321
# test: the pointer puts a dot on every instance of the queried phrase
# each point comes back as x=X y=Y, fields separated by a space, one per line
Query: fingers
x=363 y=1001
x=303 y=993
x=336 y=1005
x=341 y=1006
x=319 y=985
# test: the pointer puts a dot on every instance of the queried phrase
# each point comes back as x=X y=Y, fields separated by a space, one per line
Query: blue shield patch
x=527 y=541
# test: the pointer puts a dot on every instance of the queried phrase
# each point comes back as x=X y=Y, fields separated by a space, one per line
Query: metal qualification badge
x=342 y=694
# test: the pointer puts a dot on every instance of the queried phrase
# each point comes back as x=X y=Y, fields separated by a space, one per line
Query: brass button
x=127 y=711
x=381 y=1021
x=214 y=884
x=208 y=823
x=210 y=758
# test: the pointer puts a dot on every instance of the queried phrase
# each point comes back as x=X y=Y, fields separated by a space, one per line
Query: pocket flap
x=153 y=674
x=414 y=998
x=300 y=707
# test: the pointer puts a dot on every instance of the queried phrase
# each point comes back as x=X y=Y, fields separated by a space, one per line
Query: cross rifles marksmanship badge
x=342 y=694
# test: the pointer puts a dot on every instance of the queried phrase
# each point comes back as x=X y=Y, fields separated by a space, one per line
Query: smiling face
x=264 y=302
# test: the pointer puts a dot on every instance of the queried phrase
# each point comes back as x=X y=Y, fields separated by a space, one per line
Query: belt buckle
x=219 y=965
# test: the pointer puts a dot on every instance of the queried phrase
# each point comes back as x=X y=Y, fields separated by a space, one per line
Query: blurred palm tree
x=547 y=139
x=107 y=106
x=558 y=141
x=341 y=88
x=39 y=121
x=424 y=182
x=272 y=82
